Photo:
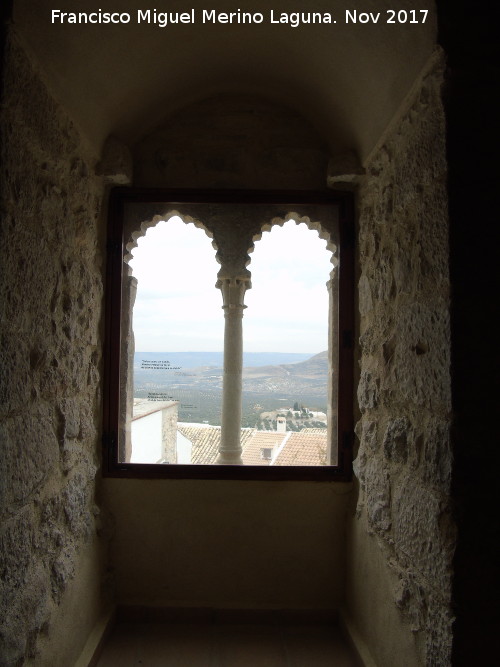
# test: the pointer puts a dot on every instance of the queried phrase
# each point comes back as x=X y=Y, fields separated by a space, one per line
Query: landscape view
x=289 y=384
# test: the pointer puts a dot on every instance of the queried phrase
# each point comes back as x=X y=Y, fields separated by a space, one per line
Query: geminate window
x=189 y=393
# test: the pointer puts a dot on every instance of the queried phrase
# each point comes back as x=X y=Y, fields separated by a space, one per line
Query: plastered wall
x=233 y=141
x=402 y=535
x=228 y=544
x=50 y=300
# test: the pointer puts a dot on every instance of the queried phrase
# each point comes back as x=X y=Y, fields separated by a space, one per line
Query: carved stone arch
x=136 y=228
x=140 y=231
x=328 y=232
x=323 y=234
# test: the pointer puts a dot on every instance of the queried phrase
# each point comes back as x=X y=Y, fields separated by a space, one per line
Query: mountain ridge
x=315 y=367
x=197 y=360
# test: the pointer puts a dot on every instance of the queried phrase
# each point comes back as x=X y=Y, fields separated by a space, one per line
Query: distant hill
x=202 y=372
x=316 y=367
x=195 y=379
x=191 y=360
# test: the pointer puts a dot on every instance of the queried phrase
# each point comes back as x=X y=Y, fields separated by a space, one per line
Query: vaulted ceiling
x=348 y=80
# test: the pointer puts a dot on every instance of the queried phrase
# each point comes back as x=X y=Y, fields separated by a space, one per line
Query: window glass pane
x=172 y=335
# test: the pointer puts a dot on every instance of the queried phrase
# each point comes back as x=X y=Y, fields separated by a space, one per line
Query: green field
x=205 y=405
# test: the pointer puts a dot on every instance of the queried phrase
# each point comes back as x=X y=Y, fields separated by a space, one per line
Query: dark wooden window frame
x=112 y=467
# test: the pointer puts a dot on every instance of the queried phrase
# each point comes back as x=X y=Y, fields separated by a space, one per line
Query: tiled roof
x=304 y=449
x=320 y=431
x=252 y=452
x=205 y=441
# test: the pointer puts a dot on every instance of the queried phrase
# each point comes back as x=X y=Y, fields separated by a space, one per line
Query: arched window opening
x=287 y=317
x=177 y=338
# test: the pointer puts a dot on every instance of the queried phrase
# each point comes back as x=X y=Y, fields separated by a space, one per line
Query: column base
x=229 y=458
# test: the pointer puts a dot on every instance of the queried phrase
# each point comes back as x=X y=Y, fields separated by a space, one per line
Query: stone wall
x=404 y=459
x=50 y=300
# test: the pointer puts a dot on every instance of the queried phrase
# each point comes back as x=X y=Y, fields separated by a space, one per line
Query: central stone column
x=233 y=294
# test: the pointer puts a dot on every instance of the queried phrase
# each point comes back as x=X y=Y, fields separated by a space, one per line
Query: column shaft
x=233 y=291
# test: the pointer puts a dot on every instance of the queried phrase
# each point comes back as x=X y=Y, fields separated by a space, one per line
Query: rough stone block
x=436 y=456
x=397 y=439
x=15 y=381
x=368 y=390
x=378 y=495
x=29 y=453
x=17 y=542
x=422 y=530
x=77 y=503
x=364 y=296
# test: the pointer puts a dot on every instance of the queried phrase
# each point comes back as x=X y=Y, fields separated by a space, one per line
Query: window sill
x=256 y=473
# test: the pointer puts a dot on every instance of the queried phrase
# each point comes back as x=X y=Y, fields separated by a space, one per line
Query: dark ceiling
x=348 y=80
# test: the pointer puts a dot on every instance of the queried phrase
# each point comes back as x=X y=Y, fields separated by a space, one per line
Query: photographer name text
x=214 y=17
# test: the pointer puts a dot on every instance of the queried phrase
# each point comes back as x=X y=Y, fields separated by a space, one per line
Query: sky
x=178 y=308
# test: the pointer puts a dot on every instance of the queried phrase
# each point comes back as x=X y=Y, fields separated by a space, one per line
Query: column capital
x=233 y=292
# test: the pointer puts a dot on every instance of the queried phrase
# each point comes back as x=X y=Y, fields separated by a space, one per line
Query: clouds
x=178 y=308
x=288 y=305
